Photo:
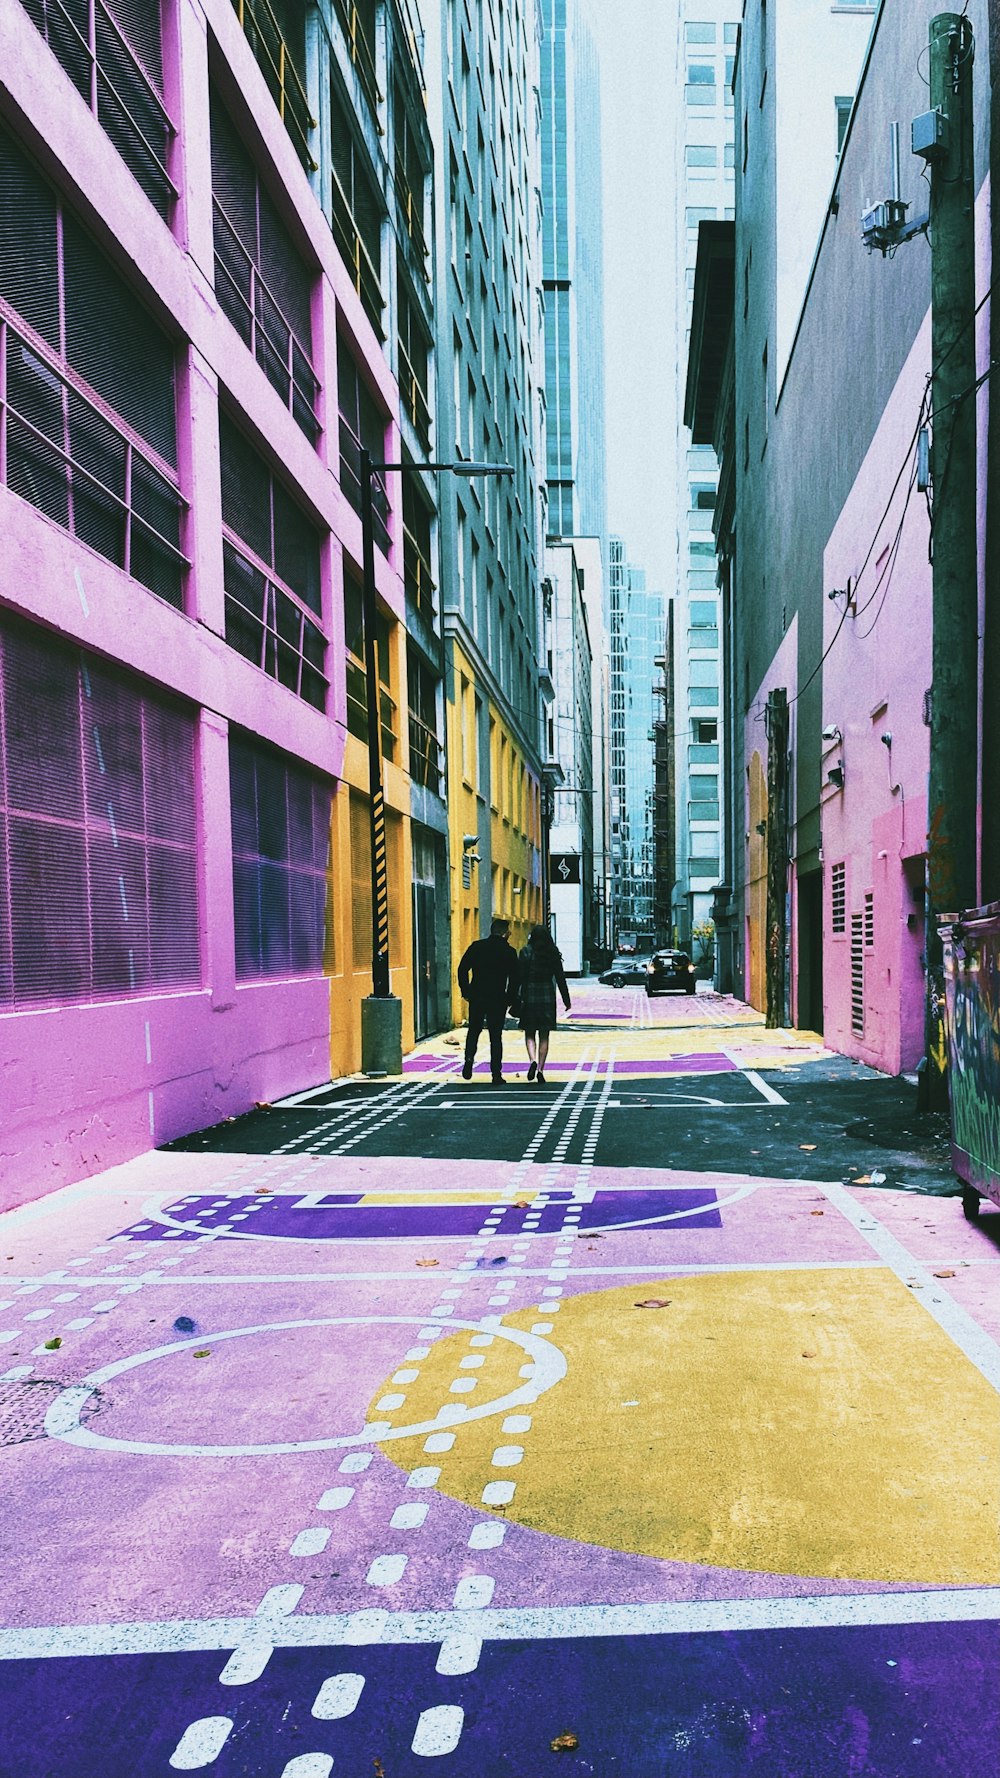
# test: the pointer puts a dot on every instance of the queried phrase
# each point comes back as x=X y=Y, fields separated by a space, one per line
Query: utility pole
x=777 y=857
x=952 y=790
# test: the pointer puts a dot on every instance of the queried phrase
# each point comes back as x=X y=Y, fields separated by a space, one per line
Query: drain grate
x=24 y=1405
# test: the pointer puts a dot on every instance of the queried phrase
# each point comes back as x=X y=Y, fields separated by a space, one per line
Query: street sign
x=564 y=867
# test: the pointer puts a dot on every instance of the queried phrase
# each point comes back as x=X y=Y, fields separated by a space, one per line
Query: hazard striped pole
x=381 y=989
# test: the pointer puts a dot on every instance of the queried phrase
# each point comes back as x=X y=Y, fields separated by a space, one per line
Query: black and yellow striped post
x=381 y=1022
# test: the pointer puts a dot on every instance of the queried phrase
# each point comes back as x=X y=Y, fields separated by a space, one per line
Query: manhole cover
x=24 y=1405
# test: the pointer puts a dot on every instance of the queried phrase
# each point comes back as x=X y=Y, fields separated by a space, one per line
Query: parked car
x=670 y=969
x=626 y=972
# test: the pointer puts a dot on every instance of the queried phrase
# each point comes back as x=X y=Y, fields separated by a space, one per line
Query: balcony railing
x=88 y=44
x=364 y=272
x=425 y=754
x=70 y=460
x=259 y=321
x=411 y=214
x=418 y=581
x=277 y=64
x=357 y=709
x=414 y=397
x=350 y=482
x=269 y=627
x=360 y=50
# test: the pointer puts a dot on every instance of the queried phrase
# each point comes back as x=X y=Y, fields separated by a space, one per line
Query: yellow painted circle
x=816 y=1423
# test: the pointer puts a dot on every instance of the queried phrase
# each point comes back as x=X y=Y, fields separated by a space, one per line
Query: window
x=361 y=884
x=88 y=377
x=281 y=864
x=111 y=50
x=411 y=177
x=869 y=921
x=705 y=729
x=414 y=354
x=261 y=280
x=357 y=211
x=425 y=748
x=701 y=73
x=362 y=422
x=703 y=613
x=271 y=572
x=357 y=686
x=98 y=866
x=699 y=32
x=838 y=898
x=418 y=578
x=843 y=106
x=701 y=155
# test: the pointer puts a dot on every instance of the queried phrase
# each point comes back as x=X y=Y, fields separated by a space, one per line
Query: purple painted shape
x=908 y=1701
x=345 y=1218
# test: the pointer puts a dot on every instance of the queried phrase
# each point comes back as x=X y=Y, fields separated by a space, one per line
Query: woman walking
x=540 y=968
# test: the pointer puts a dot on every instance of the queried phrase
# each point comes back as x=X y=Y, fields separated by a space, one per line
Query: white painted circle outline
x=63 y=1418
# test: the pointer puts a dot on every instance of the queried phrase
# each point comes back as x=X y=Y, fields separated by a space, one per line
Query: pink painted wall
x=85 y=1086
x=873 y=684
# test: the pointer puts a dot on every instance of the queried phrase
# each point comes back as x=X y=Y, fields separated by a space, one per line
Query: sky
x=636 y=44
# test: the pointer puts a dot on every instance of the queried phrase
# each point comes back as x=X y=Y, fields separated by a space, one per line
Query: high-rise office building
x=636 y=626
x=705 y=162
x=572 y=272
x=482 y=71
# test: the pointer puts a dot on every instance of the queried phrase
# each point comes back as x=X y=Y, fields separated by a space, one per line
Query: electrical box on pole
x=947 y=145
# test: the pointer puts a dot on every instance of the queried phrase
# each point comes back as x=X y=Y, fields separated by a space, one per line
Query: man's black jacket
x=488 y=972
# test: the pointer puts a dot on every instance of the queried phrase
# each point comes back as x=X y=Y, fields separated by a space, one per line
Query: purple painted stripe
x=911 y=1701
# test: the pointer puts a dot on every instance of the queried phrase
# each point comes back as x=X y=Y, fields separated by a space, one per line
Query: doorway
x=809 y=1000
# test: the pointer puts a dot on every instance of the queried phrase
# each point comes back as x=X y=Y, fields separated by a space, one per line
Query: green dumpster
x=972 y=995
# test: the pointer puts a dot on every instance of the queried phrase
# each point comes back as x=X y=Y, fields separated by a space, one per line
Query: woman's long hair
x=543 y=947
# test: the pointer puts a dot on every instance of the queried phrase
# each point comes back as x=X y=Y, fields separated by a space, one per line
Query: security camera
x=469 y=840
x=832 y=732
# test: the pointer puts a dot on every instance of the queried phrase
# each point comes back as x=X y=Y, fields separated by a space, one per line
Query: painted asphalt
x=603 y=1428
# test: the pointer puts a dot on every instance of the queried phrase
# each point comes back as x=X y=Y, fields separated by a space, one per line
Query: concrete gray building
x=636 y=629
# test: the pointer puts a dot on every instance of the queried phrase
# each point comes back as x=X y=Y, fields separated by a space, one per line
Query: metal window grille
x=413 y=348
x=262 y=282
x=869 y=921
x=857 y=974
x=410 y=178
x=361 y=423
x=98 y=839
x=111 y=50
x=281 y=864
x=276 y=35
x=271 y=572
x=426 y=752
x=838 y=898
x=60 y=452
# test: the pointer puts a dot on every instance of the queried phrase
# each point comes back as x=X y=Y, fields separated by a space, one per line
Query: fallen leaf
x=862 y=1179
x=564 y=1743
x=204 y=1352
x=53 y=1345
x=428 y=1262
x=654 y=1302
x=808 y=1354
x=947 y=1273
x=816 y=1212
x=807 y=1146
x=262 y=1104
x=262 y=1191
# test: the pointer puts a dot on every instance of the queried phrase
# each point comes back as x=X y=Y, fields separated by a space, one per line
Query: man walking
x=487 y=977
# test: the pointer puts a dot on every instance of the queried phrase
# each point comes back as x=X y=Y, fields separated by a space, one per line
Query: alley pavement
x=643 y=1423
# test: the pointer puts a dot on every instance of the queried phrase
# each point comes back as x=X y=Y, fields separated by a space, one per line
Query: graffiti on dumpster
x=974 y=1006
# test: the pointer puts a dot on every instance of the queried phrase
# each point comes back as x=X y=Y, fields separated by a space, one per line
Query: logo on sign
x=565 y=867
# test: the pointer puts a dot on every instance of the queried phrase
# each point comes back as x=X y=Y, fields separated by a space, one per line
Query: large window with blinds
x=362 y=422
x=112 y=52
x=98 y=836
x=87 y=411
x=261 y=279
x=281 y=864
x=271 y=571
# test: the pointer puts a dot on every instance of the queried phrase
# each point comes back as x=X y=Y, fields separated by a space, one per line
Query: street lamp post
x=381 y=1011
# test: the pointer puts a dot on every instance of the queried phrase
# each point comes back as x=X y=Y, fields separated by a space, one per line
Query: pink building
x=211 y=289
